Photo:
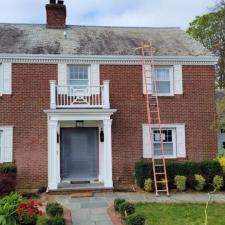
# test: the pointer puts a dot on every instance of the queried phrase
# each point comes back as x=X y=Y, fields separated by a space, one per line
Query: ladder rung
x=162 y=190
x=159 y=173
x=154 y=111
x=161 y=182
x=159 y=165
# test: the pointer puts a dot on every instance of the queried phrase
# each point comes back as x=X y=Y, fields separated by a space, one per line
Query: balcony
x=78 y=96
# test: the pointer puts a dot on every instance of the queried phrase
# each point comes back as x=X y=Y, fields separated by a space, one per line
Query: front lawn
x=181 y=214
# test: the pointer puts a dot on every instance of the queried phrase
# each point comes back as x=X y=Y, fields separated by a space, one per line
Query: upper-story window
x=164 y=81
x=78 y=76
x=168 y=80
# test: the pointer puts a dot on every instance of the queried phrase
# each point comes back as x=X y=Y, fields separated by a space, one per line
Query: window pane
x=78 y=72
x=168 y=149
x=163 y=87
x=79 y=83
x=162 y=75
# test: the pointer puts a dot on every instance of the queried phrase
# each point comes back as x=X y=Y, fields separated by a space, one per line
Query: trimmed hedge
x=6 y=168
x=207 y=168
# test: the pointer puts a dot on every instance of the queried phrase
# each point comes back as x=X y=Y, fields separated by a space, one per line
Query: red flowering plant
x=28 y=212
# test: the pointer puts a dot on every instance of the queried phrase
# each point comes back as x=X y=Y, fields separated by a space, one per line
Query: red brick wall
x=24 y=109
x=56 y=15
x=195 y=108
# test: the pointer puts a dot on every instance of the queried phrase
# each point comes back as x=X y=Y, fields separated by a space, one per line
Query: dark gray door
x=79 y=154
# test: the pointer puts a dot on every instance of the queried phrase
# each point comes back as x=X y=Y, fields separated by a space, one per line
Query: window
x=164 y=81
x=168 y=136
x=173 y=136
x=78 y=76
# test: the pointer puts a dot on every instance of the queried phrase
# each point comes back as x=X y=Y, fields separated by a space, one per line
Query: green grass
x=181 y=214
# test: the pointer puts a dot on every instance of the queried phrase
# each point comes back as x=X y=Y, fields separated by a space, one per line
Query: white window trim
x=1 y=80
x=174 y=138
x=173 y=126
x=2 y=145
x=171 y=74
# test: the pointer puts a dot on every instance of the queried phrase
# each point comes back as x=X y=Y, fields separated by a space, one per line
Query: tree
x=209 y=29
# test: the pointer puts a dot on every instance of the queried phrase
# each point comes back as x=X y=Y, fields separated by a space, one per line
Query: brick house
x=72 y=102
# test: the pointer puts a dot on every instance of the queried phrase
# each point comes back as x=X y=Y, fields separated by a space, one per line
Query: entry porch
x=79 y=148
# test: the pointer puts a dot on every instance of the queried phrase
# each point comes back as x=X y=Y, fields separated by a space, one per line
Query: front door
x=79 y=154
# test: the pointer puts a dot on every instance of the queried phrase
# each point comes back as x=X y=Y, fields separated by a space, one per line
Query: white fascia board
x=107 y=59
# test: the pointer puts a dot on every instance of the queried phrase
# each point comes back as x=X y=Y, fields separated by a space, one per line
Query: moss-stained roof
x=93 y=40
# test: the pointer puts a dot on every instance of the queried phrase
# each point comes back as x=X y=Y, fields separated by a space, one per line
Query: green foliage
x=143 y=171
x=42 y=220
x=209 y=29
x=208 y=168
x=6 y=168
x=148 y=185
x=169 y=213
x=180 y=182
x=117 y=203
x=218 y=182
x=135 y=219
x=54 y=209
x=58 y=220
x=126 y=208
x=8 y=206
x=199 y=182
x=221 y=161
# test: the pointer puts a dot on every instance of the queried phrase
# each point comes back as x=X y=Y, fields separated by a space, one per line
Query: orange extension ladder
x=153 y=112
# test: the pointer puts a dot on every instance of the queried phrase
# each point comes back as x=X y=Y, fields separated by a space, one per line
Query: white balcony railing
x=79 y=96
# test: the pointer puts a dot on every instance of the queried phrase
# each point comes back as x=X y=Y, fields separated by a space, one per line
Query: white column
x=52 y=94
x=107 y=153
x=52 y=155
x=106 y=94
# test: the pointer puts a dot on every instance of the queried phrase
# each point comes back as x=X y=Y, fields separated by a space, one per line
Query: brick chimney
x=56 y=14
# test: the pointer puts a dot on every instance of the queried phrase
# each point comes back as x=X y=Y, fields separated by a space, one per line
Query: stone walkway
x=93 y=210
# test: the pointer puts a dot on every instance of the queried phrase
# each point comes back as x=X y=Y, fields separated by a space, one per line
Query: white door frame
x=56 y=116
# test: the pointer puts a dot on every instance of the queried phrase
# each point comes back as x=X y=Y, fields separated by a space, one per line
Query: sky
x=140 y=13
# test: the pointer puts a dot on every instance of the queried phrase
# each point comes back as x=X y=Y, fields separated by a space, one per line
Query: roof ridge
x=101 y=26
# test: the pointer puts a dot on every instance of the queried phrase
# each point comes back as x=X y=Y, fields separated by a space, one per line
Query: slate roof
x=95 y=40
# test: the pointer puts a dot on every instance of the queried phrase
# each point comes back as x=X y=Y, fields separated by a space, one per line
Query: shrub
x=221 y=161
x=54 y=209
x=7 y=178
x=7 y=183
x=126 y=209
x=143 y=171
x=28 y=212
x=8 y=206
x=148 y=185
x=180 y=182
x=135 y=219
x=117 y=203
x=58 y=220
x=6 y=168
x=42 y=220
x=208 y=168
x=218 y=182
x=199 y=182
